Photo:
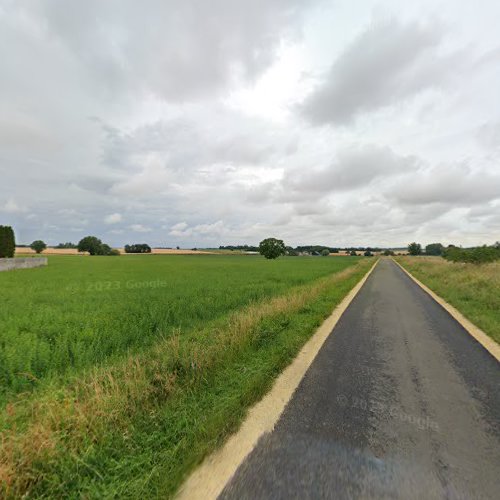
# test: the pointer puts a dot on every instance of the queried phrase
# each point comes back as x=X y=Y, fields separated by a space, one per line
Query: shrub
x=477 y=255
x=353 y=253
x=38 y=246
x=415 y=248
x=388 y=253
x=114 y=251
x=368 y=253
x=104 y=249
x=325 y=252
x=7 y=242
x=434 y=249
x=272 y=248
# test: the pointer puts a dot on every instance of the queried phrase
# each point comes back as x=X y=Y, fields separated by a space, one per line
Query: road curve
x=400 y=402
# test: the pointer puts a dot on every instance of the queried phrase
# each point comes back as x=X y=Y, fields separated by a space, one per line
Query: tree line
x=475 y=255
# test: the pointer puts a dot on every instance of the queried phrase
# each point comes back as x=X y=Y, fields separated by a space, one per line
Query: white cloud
x=139 y=228
x=12 y=207
x=186 y=115
x=113 y=218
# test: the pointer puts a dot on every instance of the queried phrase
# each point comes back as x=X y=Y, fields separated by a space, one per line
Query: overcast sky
x=199 y=123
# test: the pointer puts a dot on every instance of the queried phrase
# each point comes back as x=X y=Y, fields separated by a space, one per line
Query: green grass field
x=119 y=374
x=473 y=289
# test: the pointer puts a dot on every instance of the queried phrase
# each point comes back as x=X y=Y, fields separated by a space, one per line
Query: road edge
x=209 y=479
x=488 y=343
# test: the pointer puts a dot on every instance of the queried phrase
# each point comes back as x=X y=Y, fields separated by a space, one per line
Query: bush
x=388 y=253
x=477 y=255
x=325 y=252
x=38 y=246
x=415 y=248
x=368 y=253
x=272 y=248
x=434 y=249
x=104 y=249
x=353 y=253
x=137 y=248
x=7 y=242
x=114 y=252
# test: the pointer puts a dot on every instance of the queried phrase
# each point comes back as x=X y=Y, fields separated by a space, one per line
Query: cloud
x=203 y=231
x=181 y=118
x=12 y=207
x=139 y=228
x=388 y=62
x=354 y=166
x=457 y=185
x=176 y=50
x=113 y=218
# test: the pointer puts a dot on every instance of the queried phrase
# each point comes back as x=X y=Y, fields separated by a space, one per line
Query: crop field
x=119 y=374
x=471 y=288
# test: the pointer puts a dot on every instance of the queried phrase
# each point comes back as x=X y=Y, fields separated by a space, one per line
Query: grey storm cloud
x=387 y=62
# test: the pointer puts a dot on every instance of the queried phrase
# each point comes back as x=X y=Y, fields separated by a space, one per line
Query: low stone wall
x=10 y=264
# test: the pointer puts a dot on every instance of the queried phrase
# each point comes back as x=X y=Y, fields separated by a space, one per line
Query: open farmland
x=119 y=374
x=473 y=289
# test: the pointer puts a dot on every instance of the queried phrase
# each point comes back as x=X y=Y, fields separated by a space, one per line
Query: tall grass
x=82 y=311
x=473 y=289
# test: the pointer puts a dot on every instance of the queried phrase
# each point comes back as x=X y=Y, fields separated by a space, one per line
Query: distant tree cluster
x=94 y=246
x=315 y=249
x=7 y=242
x=243 y=248
x=67 y=245
x=137 y=248
x=362 y=249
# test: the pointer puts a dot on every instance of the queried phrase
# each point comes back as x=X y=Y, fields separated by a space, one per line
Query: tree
x=353 y=253
x=368 y=253
x=415 y=248
x=434 y=249
x=388 y=253
x=272 y=248
x=7 y=242
x=38 y=246
x=325 y=252
x=137 y=248
x=104 y=249
x=90 y=244
x=68 y=244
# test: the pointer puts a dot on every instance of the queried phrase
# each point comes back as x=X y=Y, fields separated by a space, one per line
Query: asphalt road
x=401 y=402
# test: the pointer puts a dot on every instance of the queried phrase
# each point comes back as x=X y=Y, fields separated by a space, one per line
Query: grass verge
x=472 y=289
x=138 y=426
